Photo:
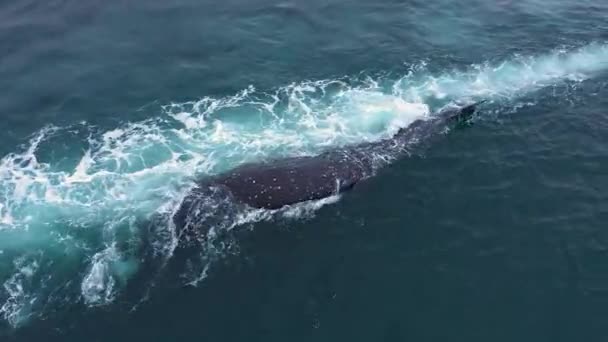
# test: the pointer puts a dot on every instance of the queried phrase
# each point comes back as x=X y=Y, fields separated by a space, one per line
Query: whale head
x=461 y=116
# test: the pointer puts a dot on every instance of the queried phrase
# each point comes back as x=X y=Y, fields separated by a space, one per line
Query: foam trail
x=507 y=79
x=95 y=209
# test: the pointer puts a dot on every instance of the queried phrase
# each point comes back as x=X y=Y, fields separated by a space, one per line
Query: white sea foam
x=19 y=292
x=506 y=79
x=98 y=286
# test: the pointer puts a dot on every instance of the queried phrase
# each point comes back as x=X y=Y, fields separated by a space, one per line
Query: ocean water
x=111 y=110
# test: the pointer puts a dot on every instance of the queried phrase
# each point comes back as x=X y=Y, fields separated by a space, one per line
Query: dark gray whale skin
x=277 y=183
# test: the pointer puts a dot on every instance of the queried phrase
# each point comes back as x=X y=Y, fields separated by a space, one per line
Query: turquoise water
x=111 y=111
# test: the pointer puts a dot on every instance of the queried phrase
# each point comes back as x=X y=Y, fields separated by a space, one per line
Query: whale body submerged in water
x=278 y=183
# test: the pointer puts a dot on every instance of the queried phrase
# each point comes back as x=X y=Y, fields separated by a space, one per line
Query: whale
x=277 y=183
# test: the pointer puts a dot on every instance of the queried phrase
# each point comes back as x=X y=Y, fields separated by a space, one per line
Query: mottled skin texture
x=274 y=184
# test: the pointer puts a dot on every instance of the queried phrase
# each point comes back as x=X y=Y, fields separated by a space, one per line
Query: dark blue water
x=494 y=232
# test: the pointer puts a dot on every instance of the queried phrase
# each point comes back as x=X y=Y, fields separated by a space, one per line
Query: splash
x=94 y=207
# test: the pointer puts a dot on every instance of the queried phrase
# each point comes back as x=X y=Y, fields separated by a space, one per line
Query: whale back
x=277 y=183
x=274 y=184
